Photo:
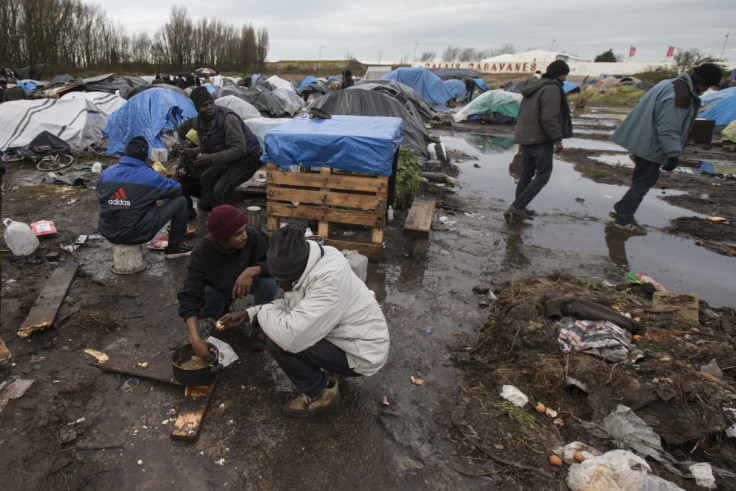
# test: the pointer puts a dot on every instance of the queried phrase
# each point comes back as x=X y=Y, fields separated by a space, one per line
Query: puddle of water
x=571 y=226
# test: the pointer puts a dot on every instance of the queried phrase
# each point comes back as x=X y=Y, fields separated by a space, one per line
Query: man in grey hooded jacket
x=543 y=121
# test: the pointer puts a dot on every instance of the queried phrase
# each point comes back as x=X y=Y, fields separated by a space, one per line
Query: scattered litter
x=455 y=292
x=426 y=330
x=13 y=390
x=95 y=237
x=718 y=220
x=220 y=461
x=140 y=462
x=703 y=475
x=446 y=221
x=559 y=422
x=555 y=460
x=576 y=452
x=417 y=381
x=43 y=228
x=540 y=407
x=159 y=244
x=99 y=355
x=640 y=278
x=616 y=470
x=172 y=412
x=550 y=412
x=384 y=401
x=76 y=421
x=142 y=365
x=481 y=290
x=131 y=384
x=514 y=395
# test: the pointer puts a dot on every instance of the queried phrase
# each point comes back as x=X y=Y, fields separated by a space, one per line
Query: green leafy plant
x=408 y=178
x=517 y=414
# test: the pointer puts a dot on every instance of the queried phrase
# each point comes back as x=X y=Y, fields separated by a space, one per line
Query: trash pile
x=601 y=386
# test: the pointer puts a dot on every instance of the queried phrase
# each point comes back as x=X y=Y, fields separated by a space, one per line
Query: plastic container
x=308 y=233
x=432 y=151
x=19 y=238
x=390 y=213
x=358 y=263
x=97 y=167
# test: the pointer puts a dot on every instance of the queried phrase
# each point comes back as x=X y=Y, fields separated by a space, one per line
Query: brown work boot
x=334 y=377
x=305 y=406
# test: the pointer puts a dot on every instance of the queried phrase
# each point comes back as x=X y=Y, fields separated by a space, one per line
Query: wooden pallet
x=330 y=196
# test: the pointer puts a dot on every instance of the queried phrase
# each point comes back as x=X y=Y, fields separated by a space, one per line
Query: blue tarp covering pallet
x=364 y=144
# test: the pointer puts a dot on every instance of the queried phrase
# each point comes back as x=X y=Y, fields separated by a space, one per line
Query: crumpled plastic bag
x=517 y=397
x=617 y=470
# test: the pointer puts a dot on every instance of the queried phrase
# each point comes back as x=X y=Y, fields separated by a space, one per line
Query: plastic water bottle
x=390 y=212
x=308 y=233
x=19 y=237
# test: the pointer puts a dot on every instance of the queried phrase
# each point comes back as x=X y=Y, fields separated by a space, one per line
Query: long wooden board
x=420 y=217
x=44 y=310
x=196 y=401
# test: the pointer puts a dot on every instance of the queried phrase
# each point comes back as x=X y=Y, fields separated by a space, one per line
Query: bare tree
x=379 y=55
x=428 y=56
x=452 y=53
x=689 y=58
x=468 y=54
x=261 y=46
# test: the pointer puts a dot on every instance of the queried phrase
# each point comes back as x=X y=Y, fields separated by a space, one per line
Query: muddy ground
x=445 y=434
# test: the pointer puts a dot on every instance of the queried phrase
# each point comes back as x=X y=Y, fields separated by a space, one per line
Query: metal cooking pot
x=191 y=370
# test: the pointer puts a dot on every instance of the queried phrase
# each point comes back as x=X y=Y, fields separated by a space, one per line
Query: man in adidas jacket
x=128 y=192
x=327 y=320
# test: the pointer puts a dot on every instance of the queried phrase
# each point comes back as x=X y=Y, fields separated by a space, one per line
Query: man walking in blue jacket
x=128 y=192
x=655 y=133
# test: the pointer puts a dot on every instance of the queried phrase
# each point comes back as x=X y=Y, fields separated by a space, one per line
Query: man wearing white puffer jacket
x=328 y=320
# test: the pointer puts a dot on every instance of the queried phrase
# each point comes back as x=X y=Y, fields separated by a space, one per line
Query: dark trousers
x=644 y=178
x=536 y=169
x=175 y=210
x=219 y=180
x=304 y=369
x=263 y=290
x=190 y=186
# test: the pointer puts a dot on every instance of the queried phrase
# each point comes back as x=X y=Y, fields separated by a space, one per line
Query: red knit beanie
x=224 y=221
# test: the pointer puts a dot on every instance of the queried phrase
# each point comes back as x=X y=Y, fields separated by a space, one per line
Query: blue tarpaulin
x=723 y=112
x=429 y=85
x=148 y=114
x=365 y=144
x=456 y=88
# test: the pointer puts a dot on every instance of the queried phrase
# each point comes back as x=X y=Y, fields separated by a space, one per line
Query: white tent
x=105 y=101
x=377 y=72
x=243 y=109
x=279 y=83
x=76 y=121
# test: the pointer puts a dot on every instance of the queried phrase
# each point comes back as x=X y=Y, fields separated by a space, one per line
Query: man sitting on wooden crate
x=328 y=323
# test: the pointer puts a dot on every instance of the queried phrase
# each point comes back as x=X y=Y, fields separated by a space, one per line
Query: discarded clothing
x=586 y=308
x=603 y=339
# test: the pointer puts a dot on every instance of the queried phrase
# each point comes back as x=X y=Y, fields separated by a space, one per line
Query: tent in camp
x=276 y=82
x=289 y=100
x=243 y=109
x=570 y=87
x=259 y=97
x=148 y=113
x=429 y=85
x=359 y=102
x=454 y=73
x=723 y=112
x=456 y=88
x=107 y=103
x=717 y=96
x=488 y=104
x=260 y=126
x=76 y=121
x=409 y=97
x=376 y=72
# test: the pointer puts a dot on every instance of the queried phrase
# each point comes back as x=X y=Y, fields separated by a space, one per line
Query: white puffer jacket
x=329 y=302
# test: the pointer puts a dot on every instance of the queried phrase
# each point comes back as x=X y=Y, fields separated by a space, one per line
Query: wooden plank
x=686 y=304
x=420 y=217
x=47 y=304
x=320 y=213
x=4 y=352
x=368 y=249
x=329 y=198
x=149 y=372
x=189 y=421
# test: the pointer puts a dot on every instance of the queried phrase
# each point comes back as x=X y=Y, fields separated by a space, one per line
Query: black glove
x=671 y=164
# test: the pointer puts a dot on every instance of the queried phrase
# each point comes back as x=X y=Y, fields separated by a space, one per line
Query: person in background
x=470 y=86
x=227 y=264
x=655 y=132
x=327 y=324
x=128 y=192
x=227 y=147
x=186 y=173
x=544 y=120
x=347 y=79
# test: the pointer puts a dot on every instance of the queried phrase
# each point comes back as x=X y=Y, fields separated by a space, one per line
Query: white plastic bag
x=617 y=470
x=517 y=397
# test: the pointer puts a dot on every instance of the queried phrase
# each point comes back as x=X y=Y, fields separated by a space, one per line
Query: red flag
x=670 y=51
x=632 y=52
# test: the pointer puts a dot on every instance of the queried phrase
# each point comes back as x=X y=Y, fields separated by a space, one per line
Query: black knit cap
x=556 y=68
x=200 y=95
x=287 y=254
x=707 y=74
x=137 y=148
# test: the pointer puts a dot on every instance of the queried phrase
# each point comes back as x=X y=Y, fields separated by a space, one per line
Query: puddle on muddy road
x=572 y=227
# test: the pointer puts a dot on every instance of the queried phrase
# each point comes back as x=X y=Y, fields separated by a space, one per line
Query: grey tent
x=260 y=97
x=403 y=93
x=358 y=102
x=454 y=73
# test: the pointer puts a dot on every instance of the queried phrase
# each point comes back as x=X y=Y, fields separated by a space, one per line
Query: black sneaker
x=177 y=250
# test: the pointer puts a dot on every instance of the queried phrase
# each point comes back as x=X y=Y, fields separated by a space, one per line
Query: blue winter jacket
x=657 y=128
x=128 y=192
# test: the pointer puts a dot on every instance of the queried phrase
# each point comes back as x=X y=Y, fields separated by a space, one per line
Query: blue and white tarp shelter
x=456 y=88
x=353 y=143
x=429 y=85
x=717 y=96
x=148 y=114
x=722 y=113
x=570 y=87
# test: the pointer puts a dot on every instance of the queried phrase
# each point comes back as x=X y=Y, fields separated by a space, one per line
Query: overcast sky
x=393 y=30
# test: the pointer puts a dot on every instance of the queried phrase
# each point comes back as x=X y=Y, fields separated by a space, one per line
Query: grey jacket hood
x=534 y=84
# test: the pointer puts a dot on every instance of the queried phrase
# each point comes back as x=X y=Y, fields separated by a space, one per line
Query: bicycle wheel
x=54 y=162
x=12 y=157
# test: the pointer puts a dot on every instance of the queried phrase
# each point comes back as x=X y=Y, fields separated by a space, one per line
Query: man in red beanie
x=227 y=264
